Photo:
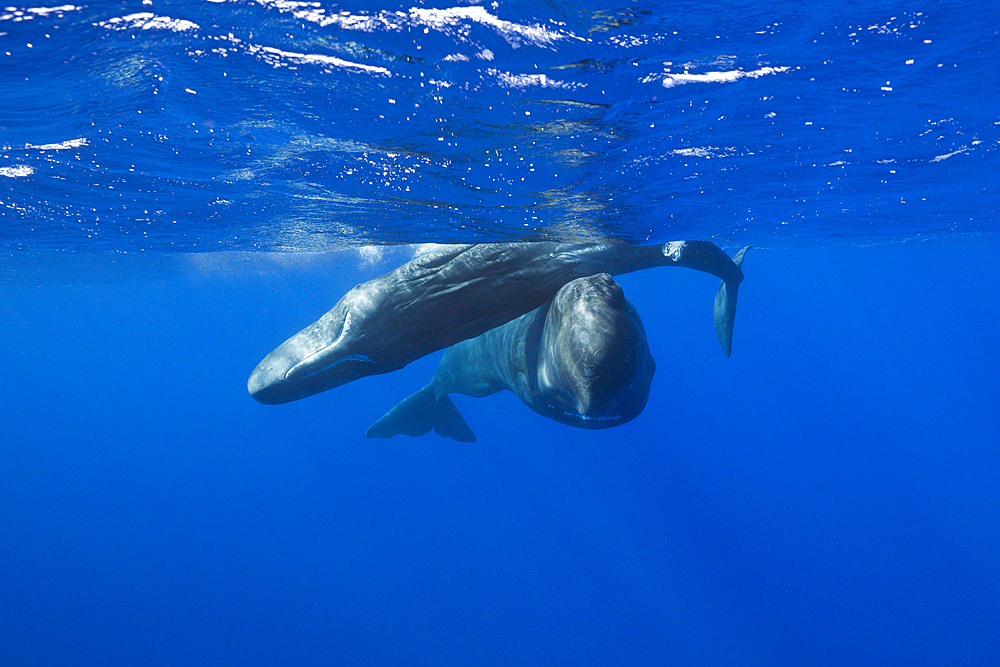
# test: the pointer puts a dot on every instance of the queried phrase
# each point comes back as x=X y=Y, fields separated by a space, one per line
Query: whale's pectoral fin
x=725 y=307
x=418 y=413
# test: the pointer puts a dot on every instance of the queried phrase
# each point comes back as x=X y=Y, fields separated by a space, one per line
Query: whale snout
x=266 y=383
x=595 y=367
x=307 y=364
x=613 y=393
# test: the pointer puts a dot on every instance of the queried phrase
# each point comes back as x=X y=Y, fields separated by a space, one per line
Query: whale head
x=324 y=355
x=594 y=366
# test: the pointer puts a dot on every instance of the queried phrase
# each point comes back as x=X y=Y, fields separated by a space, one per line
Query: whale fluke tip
x=418 y=413
x=725 y=307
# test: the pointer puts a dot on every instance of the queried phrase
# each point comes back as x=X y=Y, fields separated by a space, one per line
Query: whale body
x=457 y=292
x=582 y=359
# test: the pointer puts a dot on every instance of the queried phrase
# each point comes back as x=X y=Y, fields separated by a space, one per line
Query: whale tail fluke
x=418 y=413
x=725 y=307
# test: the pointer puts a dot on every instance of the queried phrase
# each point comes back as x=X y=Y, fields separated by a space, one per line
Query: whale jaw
x=310 y=362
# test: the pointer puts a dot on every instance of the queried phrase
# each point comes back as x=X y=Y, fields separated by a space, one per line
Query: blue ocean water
x=183 y=185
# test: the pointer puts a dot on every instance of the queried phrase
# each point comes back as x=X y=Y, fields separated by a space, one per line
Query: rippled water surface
x=287 y=125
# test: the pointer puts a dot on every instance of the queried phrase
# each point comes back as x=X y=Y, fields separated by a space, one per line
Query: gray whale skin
x=582 y=359
x=457 y=292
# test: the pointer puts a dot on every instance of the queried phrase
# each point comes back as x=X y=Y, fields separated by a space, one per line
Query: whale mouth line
x=601 y=418
x=588 y=418
x=294 y=373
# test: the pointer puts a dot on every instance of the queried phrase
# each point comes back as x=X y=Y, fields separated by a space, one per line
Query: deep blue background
x=828 y=495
